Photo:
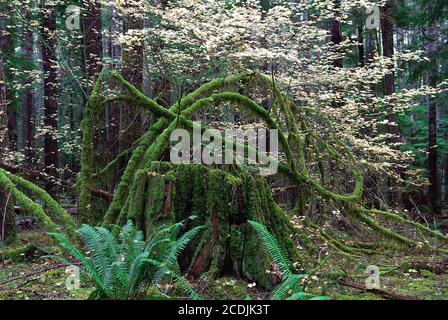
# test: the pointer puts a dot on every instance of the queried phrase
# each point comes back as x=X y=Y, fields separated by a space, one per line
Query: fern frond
x=93 y=241
x=271 y=245
x=171 y=258
x=78 y=255
x=300 y=296
x=289 y=286
x=178 y=279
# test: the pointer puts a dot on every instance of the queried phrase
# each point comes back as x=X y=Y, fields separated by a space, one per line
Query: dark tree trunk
x=113 y=129
x=433 y=191
x=7 y=48
x=93 y=44
x=446 y=179
x=361 y=54
x=50 y=92
x=27 y=102
x=7 y=229
x=93 y=40
x=130 y=117
x=336 y=35
x=388 y=51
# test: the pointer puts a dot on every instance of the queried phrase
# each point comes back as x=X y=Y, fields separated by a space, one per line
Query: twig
x=38 y=272
x=383 y=293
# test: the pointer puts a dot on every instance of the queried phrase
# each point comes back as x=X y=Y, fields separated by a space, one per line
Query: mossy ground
x=397 y=277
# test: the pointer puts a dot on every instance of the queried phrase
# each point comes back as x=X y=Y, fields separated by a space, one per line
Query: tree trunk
x=130 y=117
x=7 y=220
x=361 y=54
x=7 y=48
x=50 y=92
x=27 y=101
x=336 y=36
x=388 y=51
x=93 y=44
x=433 y=191
x=223 y=202
x=93 y=40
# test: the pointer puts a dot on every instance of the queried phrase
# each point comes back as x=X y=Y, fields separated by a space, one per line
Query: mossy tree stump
x=221 y=200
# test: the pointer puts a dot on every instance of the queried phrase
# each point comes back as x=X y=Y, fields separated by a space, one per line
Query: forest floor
x=34 y=275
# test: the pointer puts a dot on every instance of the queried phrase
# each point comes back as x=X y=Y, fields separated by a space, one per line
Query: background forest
x=359 y=89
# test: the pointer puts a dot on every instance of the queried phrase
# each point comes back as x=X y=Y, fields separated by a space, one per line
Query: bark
x=433 y=191
x=7 y=220
x=27 y=101
x=388 y=51
x=93 y=43
x=223 y=202
x=130 y=117
x=446 y=178
x=114 y=110
x=361 y=54
x=93 y=40
x=50 y=92
x=336 y=36
x=7 y=48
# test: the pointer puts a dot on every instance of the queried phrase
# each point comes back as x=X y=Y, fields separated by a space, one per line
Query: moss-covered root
x=28 y=205
x=55 y=208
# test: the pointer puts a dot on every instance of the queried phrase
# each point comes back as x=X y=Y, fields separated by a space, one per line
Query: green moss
x=17 y=253
x=55 y=208
x=28 y=205
x=87 y=165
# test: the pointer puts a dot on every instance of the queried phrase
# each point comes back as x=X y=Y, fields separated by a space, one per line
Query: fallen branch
x=382 y=293
x=59 y=266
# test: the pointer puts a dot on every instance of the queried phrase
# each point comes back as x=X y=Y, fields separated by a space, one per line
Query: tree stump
x=223 y=200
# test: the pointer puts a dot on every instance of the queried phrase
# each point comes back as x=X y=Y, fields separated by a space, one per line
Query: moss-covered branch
x=28 y=205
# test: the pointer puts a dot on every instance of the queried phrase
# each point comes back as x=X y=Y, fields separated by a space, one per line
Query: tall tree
x=50 y=91
x=335 y=31
x=130 y=117
x=27 y=97
x=387 y=34
x=93 y=40
x=432 y=74
x=6 y=207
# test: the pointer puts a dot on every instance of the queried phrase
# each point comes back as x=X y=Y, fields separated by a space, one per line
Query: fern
x=171 y=258
x=290 y=285
x=271 y=245
x=123 y=268
x=290 y=288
